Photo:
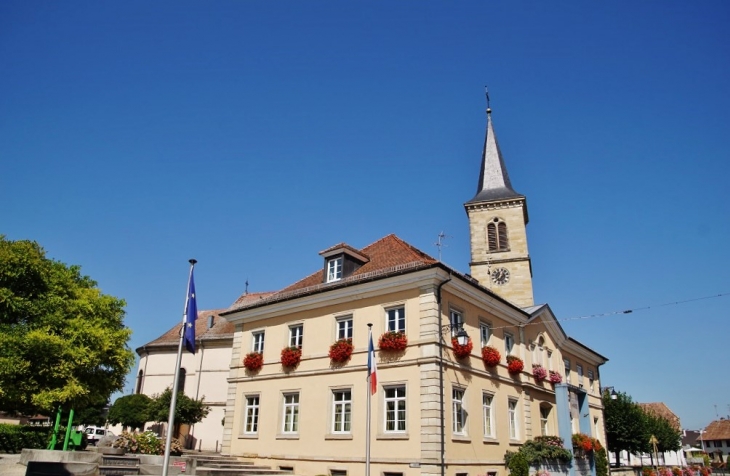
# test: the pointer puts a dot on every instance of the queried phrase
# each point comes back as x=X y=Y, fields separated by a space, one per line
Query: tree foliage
x=187 y=410
x=626 y=424
x=130 y=411
x=62 y=341
x=668 y=437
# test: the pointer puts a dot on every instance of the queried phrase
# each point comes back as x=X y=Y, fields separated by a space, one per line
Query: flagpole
x=173 y=399
x=369 y=392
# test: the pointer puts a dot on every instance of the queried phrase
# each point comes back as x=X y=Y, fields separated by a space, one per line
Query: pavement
x=10 y=465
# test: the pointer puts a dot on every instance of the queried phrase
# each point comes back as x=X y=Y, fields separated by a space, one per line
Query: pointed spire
x=494 y=181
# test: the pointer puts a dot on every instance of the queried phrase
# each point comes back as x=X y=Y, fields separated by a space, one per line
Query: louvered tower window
x=497 y=235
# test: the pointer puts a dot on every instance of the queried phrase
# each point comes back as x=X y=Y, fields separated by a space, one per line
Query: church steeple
x=497 y=221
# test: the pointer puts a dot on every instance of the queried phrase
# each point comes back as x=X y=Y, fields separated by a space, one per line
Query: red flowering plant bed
x=393 y=341
x=515 y=365
x=539 y=372
x=584 y=444
x=491 y=356
x=341 y=350
x=291 y=356
x=461 y=351
x=253 y=361
x=555 y=377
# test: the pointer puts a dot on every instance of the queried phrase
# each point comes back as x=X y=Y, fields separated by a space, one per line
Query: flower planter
x=341 y=351
x=253 y=361
x=393 y=341
x=539 y=372
x=491 y=356
x=291 y=356
x=461 y=351
x=555 y=377
x=515 y=365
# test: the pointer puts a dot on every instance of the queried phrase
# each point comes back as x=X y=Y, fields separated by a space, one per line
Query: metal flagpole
x=367 y=423
x=173 y=399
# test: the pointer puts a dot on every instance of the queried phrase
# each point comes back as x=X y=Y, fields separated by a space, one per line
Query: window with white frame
x=296 y=335
x=596 y=428
x=252 y=415
x=488 y=414
x=512 y=415
x=395 y=409
x=334 y=269
x=579 y=368
x=341 y=411
x=458 y=411
x=538 y=352
x=566 y=365
x=485 y=332
x=549 y=360
x=257 y=342
x=591 y=379
x=544 y=420
x=456 y=319
x=344 y=327
x=291 y=413
x=396 y=317
x=509 y=343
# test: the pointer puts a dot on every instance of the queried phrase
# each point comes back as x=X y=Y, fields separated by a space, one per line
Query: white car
x=95 y=433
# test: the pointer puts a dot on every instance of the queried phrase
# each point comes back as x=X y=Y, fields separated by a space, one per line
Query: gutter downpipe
x=441 y=377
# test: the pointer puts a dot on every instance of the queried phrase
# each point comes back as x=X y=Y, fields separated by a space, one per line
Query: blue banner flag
x=191 y=314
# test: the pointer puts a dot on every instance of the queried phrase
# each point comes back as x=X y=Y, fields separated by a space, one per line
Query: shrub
x=291 y=356
x=461 y=351
x=545 y=448
x=602 y=463
x=253 y=361
x=13 y=438
x=341 y=350
x=490 y=356
x=146 y=443
x=393 y=341
x=518 y=465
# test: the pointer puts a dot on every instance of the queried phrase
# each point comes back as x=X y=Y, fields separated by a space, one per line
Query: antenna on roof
x=246 y=290
x=440 y=242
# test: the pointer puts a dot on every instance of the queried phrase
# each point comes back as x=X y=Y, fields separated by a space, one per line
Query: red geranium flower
x=253 y=361
x=393 y=341
x=461 y=351
x=515 y=365
x=341 y=350
x=291 y=356
x=491 y=356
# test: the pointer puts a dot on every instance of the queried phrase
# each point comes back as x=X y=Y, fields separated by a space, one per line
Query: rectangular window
x=566 y=364
x=252 y=415
x=456 y=319
x=485 y=332
x=296 y=335
x=595 y=427
x=344 y=327
x=341 y=411
x=396 y=319
x=544 y=418
x=458 y=412
x=579 y=368
x=509 y=343
x=591 y=379
x=488 y=415
x=334 y=270
x=291 y=413
x=512 y=414
x=395 y=409
x=257 y=343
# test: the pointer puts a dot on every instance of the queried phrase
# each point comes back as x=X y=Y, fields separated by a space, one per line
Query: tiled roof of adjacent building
x=661 y=410
x=717 y=430
x=388 y=256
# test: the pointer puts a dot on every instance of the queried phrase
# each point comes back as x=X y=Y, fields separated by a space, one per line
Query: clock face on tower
x=500 y=276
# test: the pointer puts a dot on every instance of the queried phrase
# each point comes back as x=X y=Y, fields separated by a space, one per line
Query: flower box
x=555 y=377
x=585 y=443
x=253 y=361
x=393 y=341
x=461 y=351
x=341 y=350
x=539 y=372
x=491 y=356
x=515 y=365
x=291 y=356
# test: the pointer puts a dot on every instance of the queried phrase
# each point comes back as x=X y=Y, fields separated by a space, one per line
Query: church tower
x=498 y=229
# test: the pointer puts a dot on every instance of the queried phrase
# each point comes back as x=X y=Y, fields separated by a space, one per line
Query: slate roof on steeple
x=494 y=181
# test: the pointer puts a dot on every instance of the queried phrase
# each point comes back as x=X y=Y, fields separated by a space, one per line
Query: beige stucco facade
x=512 y=403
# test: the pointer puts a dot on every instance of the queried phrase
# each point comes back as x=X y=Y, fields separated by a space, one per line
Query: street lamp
x=614 y=396
x=461 y=336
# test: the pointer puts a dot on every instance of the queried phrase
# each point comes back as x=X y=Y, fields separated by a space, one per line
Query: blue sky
x=252 y=135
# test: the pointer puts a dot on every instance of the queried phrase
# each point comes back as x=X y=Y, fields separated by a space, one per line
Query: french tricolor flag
x=372 y=367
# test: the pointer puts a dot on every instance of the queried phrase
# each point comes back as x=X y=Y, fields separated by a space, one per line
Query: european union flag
x=191 y=314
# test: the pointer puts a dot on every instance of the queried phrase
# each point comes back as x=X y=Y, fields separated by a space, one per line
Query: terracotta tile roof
x=717 y=430
x=247 y=298
x=661 y=410
x=388 y=256
x=221 y=329
x=341 y=246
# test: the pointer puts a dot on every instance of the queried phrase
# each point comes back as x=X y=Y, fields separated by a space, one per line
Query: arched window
x=181 y=381
x=545 y=419
x=497 y=235
x=538 y=352
x=140 y=376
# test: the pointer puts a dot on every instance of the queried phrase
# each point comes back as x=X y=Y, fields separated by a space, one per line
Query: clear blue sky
x=251 y=135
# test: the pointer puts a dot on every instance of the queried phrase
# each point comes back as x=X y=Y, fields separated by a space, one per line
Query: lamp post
x=461 y=336
x=614 y=396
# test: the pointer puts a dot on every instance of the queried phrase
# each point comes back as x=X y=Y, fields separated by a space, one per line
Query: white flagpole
x=173 y=399
x=367 y=424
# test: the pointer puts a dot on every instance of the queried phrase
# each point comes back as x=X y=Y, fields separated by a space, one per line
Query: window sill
x=463 y=438
x=284 y=436
x=392 y=436
x=248 y=436
x=335 y=436
x=515 y=442
x=488 y=440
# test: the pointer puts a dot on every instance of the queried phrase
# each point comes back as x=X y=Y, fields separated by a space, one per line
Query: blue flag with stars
x=191 y=314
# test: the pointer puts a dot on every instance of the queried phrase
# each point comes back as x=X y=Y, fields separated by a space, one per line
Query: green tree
x=626 y=425
x=187 y=410
x=62 y=342
x=130 y=411
x=668 y=437
x=91 y=415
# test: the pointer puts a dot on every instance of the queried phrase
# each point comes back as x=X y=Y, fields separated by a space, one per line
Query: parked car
x=95 y=433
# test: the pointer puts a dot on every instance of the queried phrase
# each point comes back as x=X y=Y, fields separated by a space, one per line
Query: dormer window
x=334 y=269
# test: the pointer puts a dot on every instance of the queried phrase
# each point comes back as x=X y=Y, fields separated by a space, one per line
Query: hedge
x=13 y=438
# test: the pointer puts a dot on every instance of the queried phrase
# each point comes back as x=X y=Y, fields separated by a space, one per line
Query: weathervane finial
x=486 y=92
